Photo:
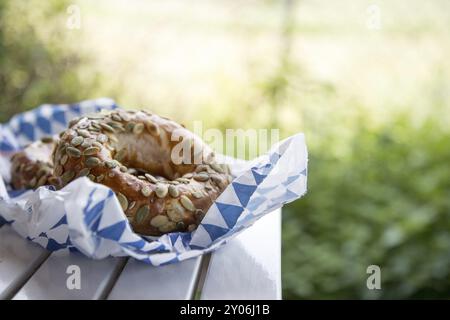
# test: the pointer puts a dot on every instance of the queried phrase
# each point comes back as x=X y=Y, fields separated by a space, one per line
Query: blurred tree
x=39 y=58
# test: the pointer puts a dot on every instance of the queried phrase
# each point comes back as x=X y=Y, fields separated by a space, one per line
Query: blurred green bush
x=385 y=202
x=40 y=59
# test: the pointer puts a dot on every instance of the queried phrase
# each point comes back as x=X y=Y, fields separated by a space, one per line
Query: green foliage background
x=374 y=106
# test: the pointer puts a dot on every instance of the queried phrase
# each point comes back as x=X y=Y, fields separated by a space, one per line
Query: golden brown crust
x=133 y=154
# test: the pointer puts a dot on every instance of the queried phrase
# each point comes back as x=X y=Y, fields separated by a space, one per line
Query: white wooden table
x=248 y=267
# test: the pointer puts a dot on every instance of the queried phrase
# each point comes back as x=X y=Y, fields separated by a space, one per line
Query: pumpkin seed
x=208 y=187
x=111 y=174
x=84 y=133
x=72 y=122
x=151 y=178
x=102 y=138
x=200 y=168
x=58 y=170
x=95 y=116
x=86 y=144
x=119 y=156
x=142 y=213
x=146 y=191
x=122 y=200
x=138 y=128
x=67 y=176
x=47 y=139
x=197 y=194
x=217 y=167
x=91 y=176
x=130 y=126
x=91 y=151
x=180 y=225
x=116 y=126
x=183 y=180
x=73 y=152
x=169 y=226
x=142 y=178
x=100 y=178
x=64 y=159
x=188 y=175
x=92 y=162
x=173 y=191
x=77 y=141
x=202 y=176
x=116 y=117
x=97 y=144
x=152 y=128
x=123 y=169
x=33 y=182
x=41 y=181
x=175 y=211
x=187 y=203
x=132 y=171
x=159 y=221
x=107 y=127
x=132 y=204
x=217 y=179
x=161 y=190
x=125 y=116
x=54 y=181
x=111 y=164
x=95 y=125
x=84 y=172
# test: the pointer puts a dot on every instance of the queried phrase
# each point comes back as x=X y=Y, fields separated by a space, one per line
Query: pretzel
x=135 y=154
x=32 y=167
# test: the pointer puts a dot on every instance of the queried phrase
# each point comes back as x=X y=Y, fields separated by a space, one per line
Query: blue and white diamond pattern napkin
x=85 y=216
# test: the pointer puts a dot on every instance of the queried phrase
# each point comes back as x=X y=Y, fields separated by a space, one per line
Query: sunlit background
x=368 y=82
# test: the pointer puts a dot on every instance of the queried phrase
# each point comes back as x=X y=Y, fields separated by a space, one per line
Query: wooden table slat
x=19 y=258
x=139 y=281
x=55 y=279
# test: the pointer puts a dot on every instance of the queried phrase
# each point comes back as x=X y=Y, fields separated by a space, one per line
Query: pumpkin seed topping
x=138 y=128
x=161 y=190
x=67 y=176
x=180 y=225
x=92 y=162
x=173 y=191
x=91 y=151
x=102 y=138
x=142 y=213
x=64 y=159
x=146 y=191
x=217 y=167
x=151 y=178
x=84 y=172
x=73 y=152
x=122 y=200
x=84 y=133
x=107 y=127
x=169 y=226
x=58 y=170
x=159 y=221
x=187 y=203
x=111 y=164
x=202 y=176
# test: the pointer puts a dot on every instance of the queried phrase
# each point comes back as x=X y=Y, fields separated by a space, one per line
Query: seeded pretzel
x=131 y=152
x=32 y=167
